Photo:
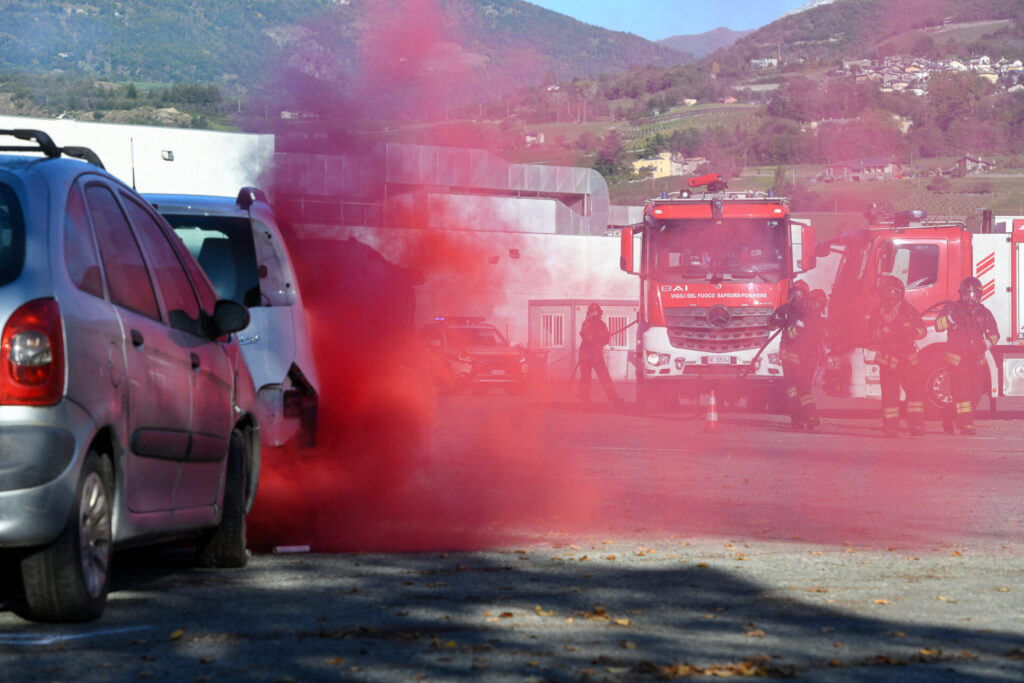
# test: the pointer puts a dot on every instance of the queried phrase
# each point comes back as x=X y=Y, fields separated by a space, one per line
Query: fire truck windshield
x=707 y=250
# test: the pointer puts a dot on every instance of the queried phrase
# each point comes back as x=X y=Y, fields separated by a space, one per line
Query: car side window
x=12 y=236
x=180 y=300
x=80 y=258
x=127 y=276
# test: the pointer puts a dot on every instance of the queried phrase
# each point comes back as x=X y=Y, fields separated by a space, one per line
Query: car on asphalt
x=466 y=352
x=238 y=242
x=127 y=413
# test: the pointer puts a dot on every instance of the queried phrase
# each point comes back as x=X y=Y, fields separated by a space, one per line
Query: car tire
x=224 y=546
x=68 y=580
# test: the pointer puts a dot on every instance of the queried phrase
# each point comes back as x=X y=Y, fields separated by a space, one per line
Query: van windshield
x=224 y=248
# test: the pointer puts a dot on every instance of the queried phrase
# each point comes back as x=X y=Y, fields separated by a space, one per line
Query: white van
x=240 y=247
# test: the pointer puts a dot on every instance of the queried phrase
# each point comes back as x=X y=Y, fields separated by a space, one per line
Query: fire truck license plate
x=719 y=360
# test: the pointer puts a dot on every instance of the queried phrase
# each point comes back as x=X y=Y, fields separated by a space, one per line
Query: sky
x=658 y=19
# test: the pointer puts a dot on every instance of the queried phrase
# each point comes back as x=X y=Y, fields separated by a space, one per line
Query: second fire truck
x=931 y=258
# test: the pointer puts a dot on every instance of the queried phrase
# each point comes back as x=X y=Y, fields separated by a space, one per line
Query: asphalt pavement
x=527 y=539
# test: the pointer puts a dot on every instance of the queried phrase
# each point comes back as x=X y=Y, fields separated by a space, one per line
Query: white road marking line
x=51 y=638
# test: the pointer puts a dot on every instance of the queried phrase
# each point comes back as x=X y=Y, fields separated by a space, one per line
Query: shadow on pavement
x=494 y=615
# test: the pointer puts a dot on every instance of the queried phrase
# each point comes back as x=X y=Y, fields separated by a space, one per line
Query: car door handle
x=137 y=338
x=195 y=361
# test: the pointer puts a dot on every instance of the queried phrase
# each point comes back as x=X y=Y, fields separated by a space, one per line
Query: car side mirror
x=229 y=316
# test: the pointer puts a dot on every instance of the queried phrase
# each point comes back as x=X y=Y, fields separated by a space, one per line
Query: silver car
x=127 y=413
x=239 y=244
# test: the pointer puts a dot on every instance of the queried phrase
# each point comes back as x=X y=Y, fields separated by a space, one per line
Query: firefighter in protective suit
x=893 y=328
x=799 y=348
x=594 y=336
x=969 y=327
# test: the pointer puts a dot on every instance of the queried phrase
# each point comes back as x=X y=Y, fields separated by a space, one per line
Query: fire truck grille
x=690 y=328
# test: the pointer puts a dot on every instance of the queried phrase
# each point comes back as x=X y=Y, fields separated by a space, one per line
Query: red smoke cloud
x=381 y=477
x=369 y=484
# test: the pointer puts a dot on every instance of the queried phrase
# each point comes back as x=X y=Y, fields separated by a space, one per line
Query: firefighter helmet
x=594 y=309
x=970 y=290
x=890 y=288
x=817 y=300
x=797 y=290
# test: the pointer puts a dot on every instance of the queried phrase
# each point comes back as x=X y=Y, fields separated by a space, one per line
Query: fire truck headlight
x=774 y=359
x=1018 y=371
x=654 y=358
x=680 y=362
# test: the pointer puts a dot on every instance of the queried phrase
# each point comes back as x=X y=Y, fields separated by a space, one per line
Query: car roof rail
x=46 y=145
x=248 y=196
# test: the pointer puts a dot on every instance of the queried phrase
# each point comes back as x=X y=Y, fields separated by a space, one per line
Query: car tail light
x=32 y=355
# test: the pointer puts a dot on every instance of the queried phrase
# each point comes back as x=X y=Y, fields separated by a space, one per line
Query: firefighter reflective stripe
x=915 y=407
x=920 y=332
x=941 y=323
x=789 y=357
x=953 y=358
x=806 y=400
x=791 y=392
x=891 y=413
x=993 y=337
x=963 y=407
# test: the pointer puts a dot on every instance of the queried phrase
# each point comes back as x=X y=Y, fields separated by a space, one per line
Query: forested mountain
x=701 y=44
x=858 y=29
x=244 y=44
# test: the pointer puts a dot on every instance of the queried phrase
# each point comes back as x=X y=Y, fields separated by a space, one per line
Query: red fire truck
x=931 y=258
x=713 y=265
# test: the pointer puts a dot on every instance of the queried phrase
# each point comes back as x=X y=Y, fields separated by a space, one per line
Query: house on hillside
x=661 y=166
x=866 y=168
x=968 y=164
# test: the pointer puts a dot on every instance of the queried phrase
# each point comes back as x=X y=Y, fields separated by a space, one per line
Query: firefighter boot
x=809 y=410
x=915 y=417
x=965 y=416
x=890 y=420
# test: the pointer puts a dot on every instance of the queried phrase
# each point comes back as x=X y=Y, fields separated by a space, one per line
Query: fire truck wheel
x=937 y=390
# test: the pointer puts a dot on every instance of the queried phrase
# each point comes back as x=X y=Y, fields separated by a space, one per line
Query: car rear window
x=12 y=235
x=224 y=248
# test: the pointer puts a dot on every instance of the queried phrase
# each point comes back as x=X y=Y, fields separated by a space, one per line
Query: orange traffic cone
x=711 y=419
